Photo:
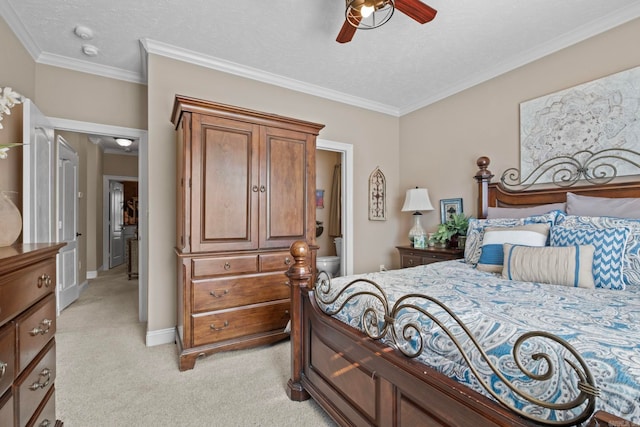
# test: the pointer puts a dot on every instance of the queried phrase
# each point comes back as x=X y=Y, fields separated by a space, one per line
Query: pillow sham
x=493 y=213
x=603 y=206
x=559 y=265
x=609 y=245
x=492 y=254
x=475 y=231
x=631 y=260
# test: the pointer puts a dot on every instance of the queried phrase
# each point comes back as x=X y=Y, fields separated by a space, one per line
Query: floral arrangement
x=8 y=99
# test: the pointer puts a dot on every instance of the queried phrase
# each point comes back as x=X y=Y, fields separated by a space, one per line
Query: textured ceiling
x=397 y=68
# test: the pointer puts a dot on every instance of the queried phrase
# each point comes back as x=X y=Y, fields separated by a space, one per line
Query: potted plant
x=442 y=235
x=449 y=233
x=457 y=225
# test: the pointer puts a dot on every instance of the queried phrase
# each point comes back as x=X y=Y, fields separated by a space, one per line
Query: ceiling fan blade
x=346 y=33
x=417 y=10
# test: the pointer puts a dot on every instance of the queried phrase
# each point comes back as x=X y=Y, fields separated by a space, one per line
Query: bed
x=414 y=347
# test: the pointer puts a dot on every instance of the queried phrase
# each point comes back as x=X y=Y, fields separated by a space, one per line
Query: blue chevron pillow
x=609 y=244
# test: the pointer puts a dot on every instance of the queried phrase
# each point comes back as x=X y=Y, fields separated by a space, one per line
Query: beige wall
x=439 y=144
x=120 y=165
x=375 y=144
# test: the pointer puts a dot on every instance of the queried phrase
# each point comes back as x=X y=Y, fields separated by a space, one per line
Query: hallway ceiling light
x=124 y=142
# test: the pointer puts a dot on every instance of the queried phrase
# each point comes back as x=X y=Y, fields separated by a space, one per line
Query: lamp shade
x=416 y=200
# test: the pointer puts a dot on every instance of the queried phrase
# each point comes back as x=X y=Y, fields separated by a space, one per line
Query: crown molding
x=159 y=48
x=580 y=34
x=13 y=21
x=91 y=68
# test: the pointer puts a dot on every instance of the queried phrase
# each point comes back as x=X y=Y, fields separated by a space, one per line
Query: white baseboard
x=162 y=336
x=92 y=274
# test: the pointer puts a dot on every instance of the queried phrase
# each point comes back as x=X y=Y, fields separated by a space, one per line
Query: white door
x=37 y=176
x=116 y=223
x=67 y=290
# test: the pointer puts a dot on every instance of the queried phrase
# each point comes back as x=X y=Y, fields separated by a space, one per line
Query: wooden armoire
x=245 y=193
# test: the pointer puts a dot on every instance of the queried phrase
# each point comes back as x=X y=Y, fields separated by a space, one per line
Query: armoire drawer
x=279 y=261
x=7 y=356
x=35 y=328
x=34 y=383
x=232 y=323
x=21 y=289
x=216 y=294
x=214 y=266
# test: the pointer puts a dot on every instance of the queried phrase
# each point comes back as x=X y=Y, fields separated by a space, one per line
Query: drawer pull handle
x=227 y=266
x=410 y=262
x=42 y=329
x=45 y=280
x=3 y=368
x=46 y=373
x=263 y=188
x=213 y=293
x=213 y=327
x=254 y=188
x=44 y=423
x=287 y=261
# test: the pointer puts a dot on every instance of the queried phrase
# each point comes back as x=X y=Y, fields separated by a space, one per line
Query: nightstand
x=411 y=257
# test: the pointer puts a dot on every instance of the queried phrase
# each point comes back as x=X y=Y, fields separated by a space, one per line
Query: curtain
x=335 y=204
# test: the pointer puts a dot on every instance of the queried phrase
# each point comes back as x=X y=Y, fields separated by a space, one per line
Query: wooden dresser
x=245 y=193
x=27 y=329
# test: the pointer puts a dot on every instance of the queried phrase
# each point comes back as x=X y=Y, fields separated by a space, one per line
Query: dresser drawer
x=411 y=261
x=233 y=323
x=7 y=356
x=203 y=267
x=35 y=382
x=216 y=294
x=279 y=261
x=6 y=409
x=18 y=290
x=35 y=328
x=47 y=416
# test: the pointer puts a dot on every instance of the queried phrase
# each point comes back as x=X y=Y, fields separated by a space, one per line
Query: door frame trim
x=346 y=151
x=143 y=191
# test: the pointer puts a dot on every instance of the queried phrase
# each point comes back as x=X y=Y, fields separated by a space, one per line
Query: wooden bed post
x=483 y=177
x=299 y=275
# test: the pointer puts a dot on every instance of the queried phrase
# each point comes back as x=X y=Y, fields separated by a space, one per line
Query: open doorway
x=346 y=159
x=140 y=136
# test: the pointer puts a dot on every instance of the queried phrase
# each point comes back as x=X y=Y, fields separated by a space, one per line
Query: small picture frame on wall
x=449 y=207
x=320 y=199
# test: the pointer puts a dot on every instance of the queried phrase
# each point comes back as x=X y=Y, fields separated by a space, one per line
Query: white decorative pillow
x=603 y=206
x=493 y=213
x=492 y=256
x=559 y=265
x=475 y=232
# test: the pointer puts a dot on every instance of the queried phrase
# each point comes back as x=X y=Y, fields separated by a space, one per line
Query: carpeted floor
x=107 y=377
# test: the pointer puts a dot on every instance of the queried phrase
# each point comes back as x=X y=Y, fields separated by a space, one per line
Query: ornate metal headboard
x=585 y=172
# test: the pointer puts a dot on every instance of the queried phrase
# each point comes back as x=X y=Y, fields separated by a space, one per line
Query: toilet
x=331 y=264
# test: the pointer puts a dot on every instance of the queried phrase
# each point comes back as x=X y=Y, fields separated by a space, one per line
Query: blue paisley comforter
x=603 y=325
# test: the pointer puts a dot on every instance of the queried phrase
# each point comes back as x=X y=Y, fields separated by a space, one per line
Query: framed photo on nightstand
x=449 y=207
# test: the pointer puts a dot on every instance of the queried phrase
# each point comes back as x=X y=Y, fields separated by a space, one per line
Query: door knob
x=78 y=234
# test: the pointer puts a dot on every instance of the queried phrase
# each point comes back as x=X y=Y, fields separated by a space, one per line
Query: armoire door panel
x=284 y=174
x=224 y=191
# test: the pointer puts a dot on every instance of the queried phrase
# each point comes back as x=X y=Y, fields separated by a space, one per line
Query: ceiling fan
x=368 y=14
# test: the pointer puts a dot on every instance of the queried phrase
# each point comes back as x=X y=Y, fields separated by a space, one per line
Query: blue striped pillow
x=608 y=257
x=492 y=255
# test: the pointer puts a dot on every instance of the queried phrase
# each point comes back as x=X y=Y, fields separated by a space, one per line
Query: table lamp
x=417 y=200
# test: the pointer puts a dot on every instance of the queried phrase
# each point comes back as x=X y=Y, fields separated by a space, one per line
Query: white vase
x=10 y=221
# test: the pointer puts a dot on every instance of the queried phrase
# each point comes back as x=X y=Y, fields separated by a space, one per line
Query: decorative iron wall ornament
x=594 y=116
x=377 y=196
x=401 y=326
x=565 y=171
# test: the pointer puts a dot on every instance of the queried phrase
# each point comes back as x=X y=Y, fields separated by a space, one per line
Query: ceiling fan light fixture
x=368 y=14
x=123 y=142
